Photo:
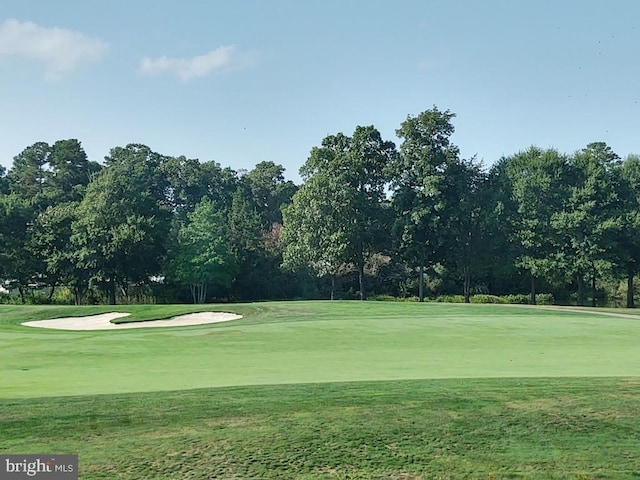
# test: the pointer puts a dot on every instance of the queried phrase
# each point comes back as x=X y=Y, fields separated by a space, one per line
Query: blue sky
x=240 y=82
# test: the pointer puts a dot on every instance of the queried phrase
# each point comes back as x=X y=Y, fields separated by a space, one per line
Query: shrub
x=63 y=296
x=483 y=298
x=416 y=299
x=36 y=298
x=450 y=299
x=6 y=297
x=518 y=298
x=383 y=298
x=545 y=299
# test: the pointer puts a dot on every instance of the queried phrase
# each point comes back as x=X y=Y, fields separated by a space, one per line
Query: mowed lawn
x=329 y=390
x=309 y=342
x=402 y=430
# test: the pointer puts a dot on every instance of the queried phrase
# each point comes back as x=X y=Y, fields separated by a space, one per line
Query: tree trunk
x=124 y=289
x=593 y=287
x=21 y=292
x=361 y=280
x=467 y=285
x=421 y=283
x=532 y=293
x=51 y=291
x=580 y=290
x=76 y=295
x=630 y=300
x=198 y=292
x=112 y=291
x=333 y=286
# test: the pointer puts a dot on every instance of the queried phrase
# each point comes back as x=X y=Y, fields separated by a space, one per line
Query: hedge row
x=541 y=299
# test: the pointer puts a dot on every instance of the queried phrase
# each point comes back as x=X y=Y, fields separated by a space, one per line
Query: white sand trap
x=103 y=321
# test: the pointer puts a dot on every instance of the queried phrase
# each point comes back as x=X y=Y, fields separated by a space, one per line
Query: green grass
x=309 y=342
x=483 y=428
x=335 y=390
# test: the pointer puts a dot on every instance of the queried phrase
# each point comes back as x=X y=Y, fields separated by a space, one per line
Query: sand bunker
x=103 y=321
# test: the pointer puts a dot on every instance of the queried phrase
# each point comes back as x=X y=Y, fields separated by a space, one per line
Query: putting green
x=308 y=342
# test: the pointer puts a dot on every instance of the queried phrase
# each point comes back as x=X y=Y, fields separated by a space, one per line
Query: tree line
x=369 y=218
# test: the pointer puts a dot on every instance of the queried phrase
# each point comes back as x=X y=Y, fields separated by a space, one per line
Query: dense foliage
x=369 y=219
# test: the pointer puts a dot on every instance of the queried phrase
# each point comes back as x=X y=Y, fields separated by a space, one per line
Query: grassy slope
x=482 y=428
x=309 y=342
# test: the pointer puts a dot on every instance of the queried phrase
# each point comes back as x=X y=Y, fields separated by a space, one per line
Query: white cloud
x=221 y=58
x=59 y=49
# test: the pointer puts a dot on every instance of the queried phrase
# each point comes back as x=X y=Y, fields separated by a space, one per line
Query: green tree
x=123 y=221
x=188 y=181
x=70 y=170
x=627 y=255
x=29 y=174
x=589 y=222
x=268 y=191
x=43 y=176
x=353 y=171
x=51 y=241
x=467 y=221
x=255 y=221
x=18 y=266
x=4 y=182
x=538 y=183
x=421 y=176
x=502 y=247
x=245 y=236
x=203 y=258
x=315 y=229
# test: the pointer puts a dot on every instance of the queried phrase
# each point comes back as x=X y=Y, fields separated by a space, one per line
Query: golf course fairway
x=317 y=390
x=310 y=342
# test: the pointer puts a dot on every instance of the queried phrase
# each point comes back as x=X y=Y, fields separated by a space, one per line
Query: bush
x=36 y=298
x=518 y=298
x=523 y=299
x=29 y=299
x=383 y=298
x=7 y=298
x=63 y=296
x=545 y=299
x=450 y=299
x=391 y=298
x=483 y=298
x=415 y=299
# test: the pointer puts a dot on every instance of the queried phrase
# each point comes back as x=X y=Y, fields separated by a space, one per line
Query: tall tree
x=466 y=252
x=123 y=220
x=315 y=228
x=354 y=170
x=29 y=174
x=255 y=220
x=268 y=191
x=502 y=247
x=420 y=175
x=245 y=236
x=589 y=221
x=204 y=257
x=70 y=170
x=51 y=242
x=41 y=177
x=19 y=267
x=189 y=181
x=538 y=187
x=627 y=253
